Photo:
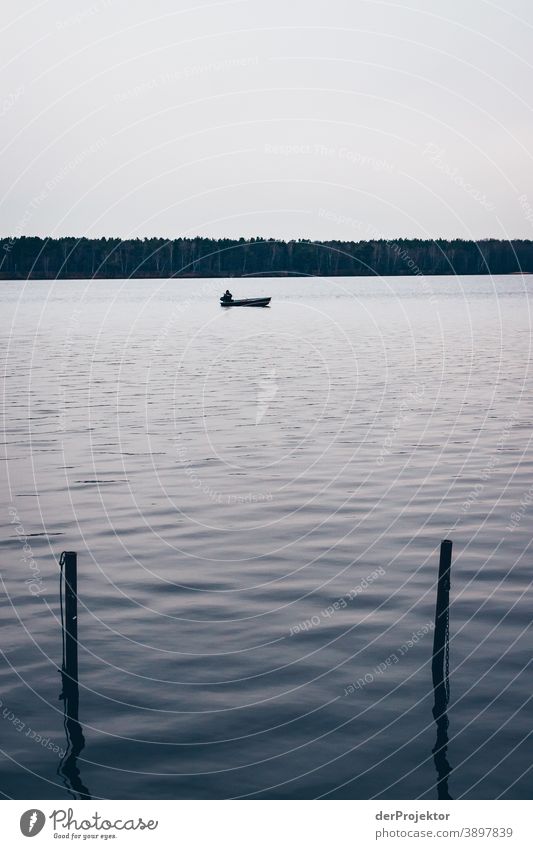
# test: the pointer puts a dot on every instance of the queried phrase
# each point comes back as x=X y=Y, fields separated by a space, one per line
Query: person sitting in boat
x=227 y=296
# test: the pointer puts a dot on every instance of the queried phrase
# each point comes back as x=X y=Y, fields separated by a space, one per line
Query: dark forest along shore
x=30 y=257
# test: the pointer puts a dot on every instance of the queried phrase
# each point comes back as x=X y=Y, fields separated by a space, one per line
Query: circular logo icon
x=32 y=822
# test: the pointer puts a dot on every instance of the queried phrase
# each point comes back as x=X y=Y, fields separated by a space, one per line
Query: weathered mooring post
x=439 y=663
x=69 y=564
x=440 y=668
x=68 y=767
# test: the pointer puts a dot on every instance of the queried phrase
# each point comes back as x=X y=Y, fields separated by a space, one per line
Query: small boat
x=246 y=302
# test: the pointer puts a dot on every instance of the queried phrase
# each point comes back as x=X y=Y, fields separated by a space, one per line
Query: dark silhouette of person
x=227 y=296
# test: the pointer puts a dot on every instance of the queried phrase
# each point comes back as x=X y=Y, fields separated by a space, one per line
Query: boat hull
x=246 y=302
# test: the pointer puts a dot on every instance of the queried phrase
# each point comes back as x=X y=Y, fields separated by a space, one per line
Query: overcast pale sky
x=324 y=119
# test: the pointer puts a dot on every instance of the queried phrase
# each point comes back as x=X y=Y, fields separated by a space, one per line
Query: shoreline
x=266 y=275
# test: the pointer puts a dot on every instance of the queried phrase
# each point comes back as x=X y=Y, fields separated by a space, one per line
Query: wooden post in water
x=440 y=671
x=68 y=767
x=69 y=563
x=440 y=638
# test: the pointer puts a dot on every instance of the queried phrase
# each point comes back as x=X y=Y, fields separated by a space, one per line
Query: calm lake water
x=257 y=499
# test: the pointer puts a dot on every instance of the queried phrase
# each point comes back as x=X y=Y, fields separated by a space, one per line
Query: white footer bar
x=268 y=824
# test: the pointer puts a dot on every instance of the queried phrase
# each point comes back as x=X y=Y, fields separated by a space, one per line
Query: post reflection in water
x=68 y=767
x=439 y=755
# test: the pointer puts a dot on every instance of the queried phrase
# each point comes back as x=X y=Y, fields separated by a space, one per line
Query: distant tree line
x=29 y=257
